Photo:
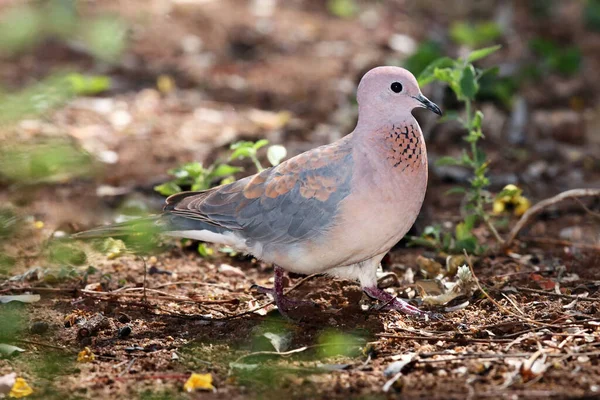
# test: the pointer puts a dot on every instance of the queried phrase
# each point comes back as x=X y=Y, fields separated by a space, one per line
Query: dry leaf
x=20 y=389
x=199 y=381
x=23 y=298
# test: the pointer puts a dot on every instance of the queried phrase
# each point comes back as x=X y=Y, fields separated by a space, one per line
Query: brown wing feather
x=280 y=203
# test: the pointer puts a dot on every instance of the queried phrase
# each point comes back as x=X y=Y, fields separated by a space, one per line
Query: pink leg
x=394 y=303
x=281 y=301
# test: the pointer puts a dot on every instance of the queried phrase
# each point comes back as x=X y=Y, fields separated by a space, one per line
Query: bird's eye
x=396 y=87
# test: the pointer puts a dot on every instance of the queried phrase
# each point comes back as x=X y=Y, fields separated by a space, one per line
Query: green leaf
x=223 y=170
x=428 y=76
x=167 y=188
x=468 y=244
x=444 y=74
x=478 y=119
x=205 y=251
x=241 y=144
x=482 y=53
x=455 y=190
x=88 y=85
x=447 y=160
x=260 y=143
x=468 y=83
x=475 y=35
x=242 y=152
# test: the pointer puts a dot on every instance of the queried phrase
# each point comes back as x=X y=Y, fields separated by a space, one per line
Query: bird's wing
x=295 y=200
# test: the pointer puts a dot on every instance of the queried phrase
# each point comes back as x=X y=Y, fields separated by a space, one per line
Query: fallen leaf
x=199 y=381
x=86 y=355
x=20 y=389
x=228 y=270
x=8 y=350
x=397 y=366
x=280 y=342
x=429 y=267
x=23 y=298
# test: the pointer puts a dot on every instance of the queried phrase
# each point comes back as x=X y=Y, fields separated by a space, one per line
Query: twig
x=569 y=194
x=443 y=338
x=144 y=298
x=31 y=342
x=562 y=296
x=273 y=353
x=498 y=305
x=595 y=214
x=559 y=242
x=192 y=283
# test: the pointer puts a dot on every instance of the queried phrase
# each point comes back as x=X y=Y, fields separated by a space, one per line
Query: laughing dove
x=336 y=209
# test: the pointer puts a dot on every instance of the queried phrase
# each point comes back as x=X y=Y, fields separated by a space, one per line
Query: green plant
x=463 y=78
x=245 y=149
x=475 y=35
x=195 y=177
x=426 y=53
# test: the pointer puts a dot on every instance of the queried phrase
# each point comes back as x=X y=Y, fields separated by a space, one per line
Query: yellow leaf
x=165 y=84
x=20 y=389
x=86 y=355
x=199 y=381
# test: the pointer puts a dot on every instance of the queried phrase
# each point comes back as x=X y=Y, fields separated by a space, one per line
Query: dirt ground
x=241 y=70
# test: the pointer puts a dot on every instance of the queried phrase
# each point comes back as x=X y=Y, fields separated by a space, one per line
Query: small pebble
x=124 y=332
x=38 y=327
x=124 y=318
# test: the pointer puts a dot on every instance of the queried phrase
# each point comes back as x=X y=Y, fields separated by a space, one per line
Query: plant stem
x=257 y=164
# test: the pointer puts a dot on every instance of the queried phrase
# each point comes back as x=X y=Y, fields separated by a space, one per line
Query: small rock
x=572 y=233
x=124 y=318
x=124 y=332
x=228 y=270
x=39 y=327
x=402 y=43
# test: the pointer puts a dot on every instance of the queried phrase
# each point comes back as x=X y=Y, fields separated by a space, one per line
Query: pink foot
x=393 y=303
x=283 y=303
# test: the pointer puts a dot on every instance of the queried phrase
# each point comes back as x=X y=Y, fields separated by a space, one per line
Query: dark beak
x=428 y=104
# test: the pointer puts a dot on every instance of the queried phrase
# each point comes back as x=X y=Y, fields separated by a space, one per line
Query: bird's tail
x=140 y=226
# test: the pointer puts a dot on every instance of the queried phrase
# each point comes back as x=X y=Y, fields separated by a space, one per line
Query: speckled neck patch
x=403 y=147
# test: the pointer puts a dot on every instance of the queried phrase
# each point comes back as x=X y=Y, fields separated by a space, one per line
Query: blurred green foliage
x=63 y=253
x=24 y=26
x=49 y=94
x=591 y=15
x=343 y=8
x=426 y=53
x=564 y=60
x=475 y=34
x=334 y=343
x=50 y=161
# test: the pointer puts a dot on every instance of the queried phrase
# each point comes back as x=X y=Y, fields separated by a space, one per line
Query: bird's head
x=391 y=92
